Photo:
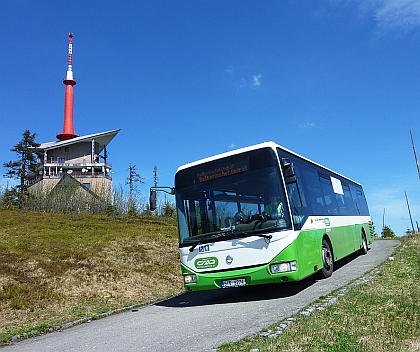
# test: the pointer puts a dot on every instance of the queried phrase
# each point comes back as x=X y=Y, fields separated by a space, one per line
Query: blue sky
x=335 y=81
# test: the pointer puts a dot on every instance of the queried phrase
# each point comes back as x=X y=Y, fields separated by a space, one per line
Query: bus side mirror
x=288 y=171
x=153 y=195
x=153 y=200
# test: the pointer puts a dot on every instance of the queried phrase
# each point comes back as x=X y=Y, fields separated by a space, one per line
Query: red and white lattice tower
x=69 y=81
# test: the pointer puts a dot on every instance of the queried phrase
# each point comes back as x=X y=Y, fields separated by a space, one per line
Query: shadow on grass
x=249 y=293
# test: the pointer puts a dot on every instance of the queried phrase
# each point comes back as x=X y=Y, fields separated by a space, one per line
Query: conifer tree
x=25 y=168
x=387 y=232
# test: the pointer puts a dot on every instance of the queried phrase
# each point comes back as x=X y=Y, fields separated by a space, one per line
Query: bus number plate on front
x=233 y=283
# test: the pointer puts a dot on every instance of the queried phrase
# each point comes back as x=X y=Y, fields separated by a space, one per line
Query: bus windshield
x=237 y=196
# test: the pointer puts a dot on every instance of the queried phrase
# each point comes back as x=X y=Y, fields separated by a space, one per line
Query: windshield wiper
x=217 y=234
x=259 y=233
x=210 y=234
x=268 y=237
x=252 y=233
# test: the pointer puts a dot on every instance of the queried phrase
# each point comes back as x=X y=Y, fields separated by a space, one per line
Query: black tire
x=364 y=249
x=327 y=260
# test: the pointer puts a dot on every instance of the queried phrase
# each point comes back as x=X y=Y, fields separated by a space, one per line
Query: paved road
x=201 y=321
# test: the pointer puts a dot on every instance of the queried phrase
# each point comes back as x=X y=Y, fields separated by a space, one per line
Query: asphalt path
x=202 y=321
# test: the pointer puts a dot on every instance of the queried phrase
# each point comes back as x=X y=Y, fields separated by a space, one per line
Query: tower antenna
x=69 y=81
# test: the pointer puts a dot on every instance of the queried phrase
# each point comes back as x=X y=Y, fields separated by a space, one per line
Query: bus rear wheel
x=364 y=249
x=327 y=260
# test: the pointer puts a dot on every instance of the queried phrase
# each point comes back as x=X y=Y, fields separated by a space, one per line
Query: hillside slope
x=56 y=268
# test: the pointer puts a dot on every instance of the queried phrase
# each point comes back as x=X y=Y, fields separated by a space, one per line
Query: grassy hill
x=57 y=268
x=380 y=315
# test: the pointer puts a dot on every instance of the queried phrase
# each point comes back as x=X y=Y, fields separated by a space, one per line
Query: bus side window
x=305 y=195
x=348 y=200
x=298 y=197
x=313 y=189
x=329 y=195
x=342 y=201
x=359 y=200
x=342 y=206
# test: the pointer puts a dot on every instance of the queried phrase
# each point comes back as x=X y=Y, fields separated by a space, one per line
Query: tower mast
x=69 y=81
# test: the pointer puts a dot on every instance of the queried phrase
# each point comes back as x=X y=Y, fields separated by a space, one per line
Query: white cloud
x=246 y=84
x=398 y=14
x=231 y=147
x=256 y=80
x=229 y=69
x=386 y=14
x=307 y=125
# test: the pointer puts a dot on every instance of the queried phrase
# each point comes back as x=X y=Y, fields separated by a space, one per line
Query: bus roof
x=271 y=145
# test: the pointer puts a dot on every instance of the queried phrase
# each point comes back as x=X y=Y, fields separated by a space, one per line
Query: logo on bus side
x=206 y=263
x=327 y=222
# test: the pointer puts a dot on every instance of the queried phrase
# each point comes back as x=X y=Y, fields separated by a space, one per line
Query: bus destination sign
x=223 y=170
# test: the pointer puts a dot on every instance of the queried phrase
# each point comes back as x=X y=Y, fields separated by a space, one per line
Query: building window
x=66 y=149
x=86 y=185
x=61 y=160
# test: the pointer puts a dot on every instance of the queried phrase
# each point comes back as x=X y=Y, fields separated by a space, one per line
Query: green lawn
x=380 y=315
x=57 y=268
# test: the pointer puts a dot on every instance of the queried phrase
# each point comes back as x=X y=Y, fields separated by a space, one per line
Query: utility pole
x=415 y=154
x=409 y=212
x=155 y=176
x=155 y=182
x=133 y=177
x=383 y=223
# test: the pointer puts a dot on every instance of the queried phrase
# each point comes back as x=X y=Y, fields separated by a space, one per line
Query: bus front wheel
x=327 y=260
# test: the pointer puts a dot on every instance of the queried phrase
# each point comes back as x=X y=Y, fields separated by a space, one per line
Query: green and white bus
x=264 y=214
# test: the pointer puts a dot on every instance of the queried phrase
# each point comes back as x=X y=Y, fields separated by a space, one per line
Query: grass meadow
x=58 y=268
x=382 y=315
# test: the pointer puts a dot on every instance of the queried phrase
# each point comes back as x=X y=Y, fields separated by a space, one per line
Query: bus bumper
x=235 y=278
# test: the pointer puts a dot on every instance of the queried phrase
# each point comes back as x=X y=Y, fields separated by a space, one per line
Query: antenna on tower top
x=69 y=81
x=70 y=58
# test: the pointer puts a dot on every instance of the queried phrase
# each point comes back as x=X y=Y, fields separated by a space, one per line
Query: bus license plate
x=233 y=283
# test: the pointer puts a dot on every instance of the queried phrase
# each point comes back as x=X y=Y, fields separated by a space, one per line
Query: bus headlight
x=190 y=279
x=283 y=267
